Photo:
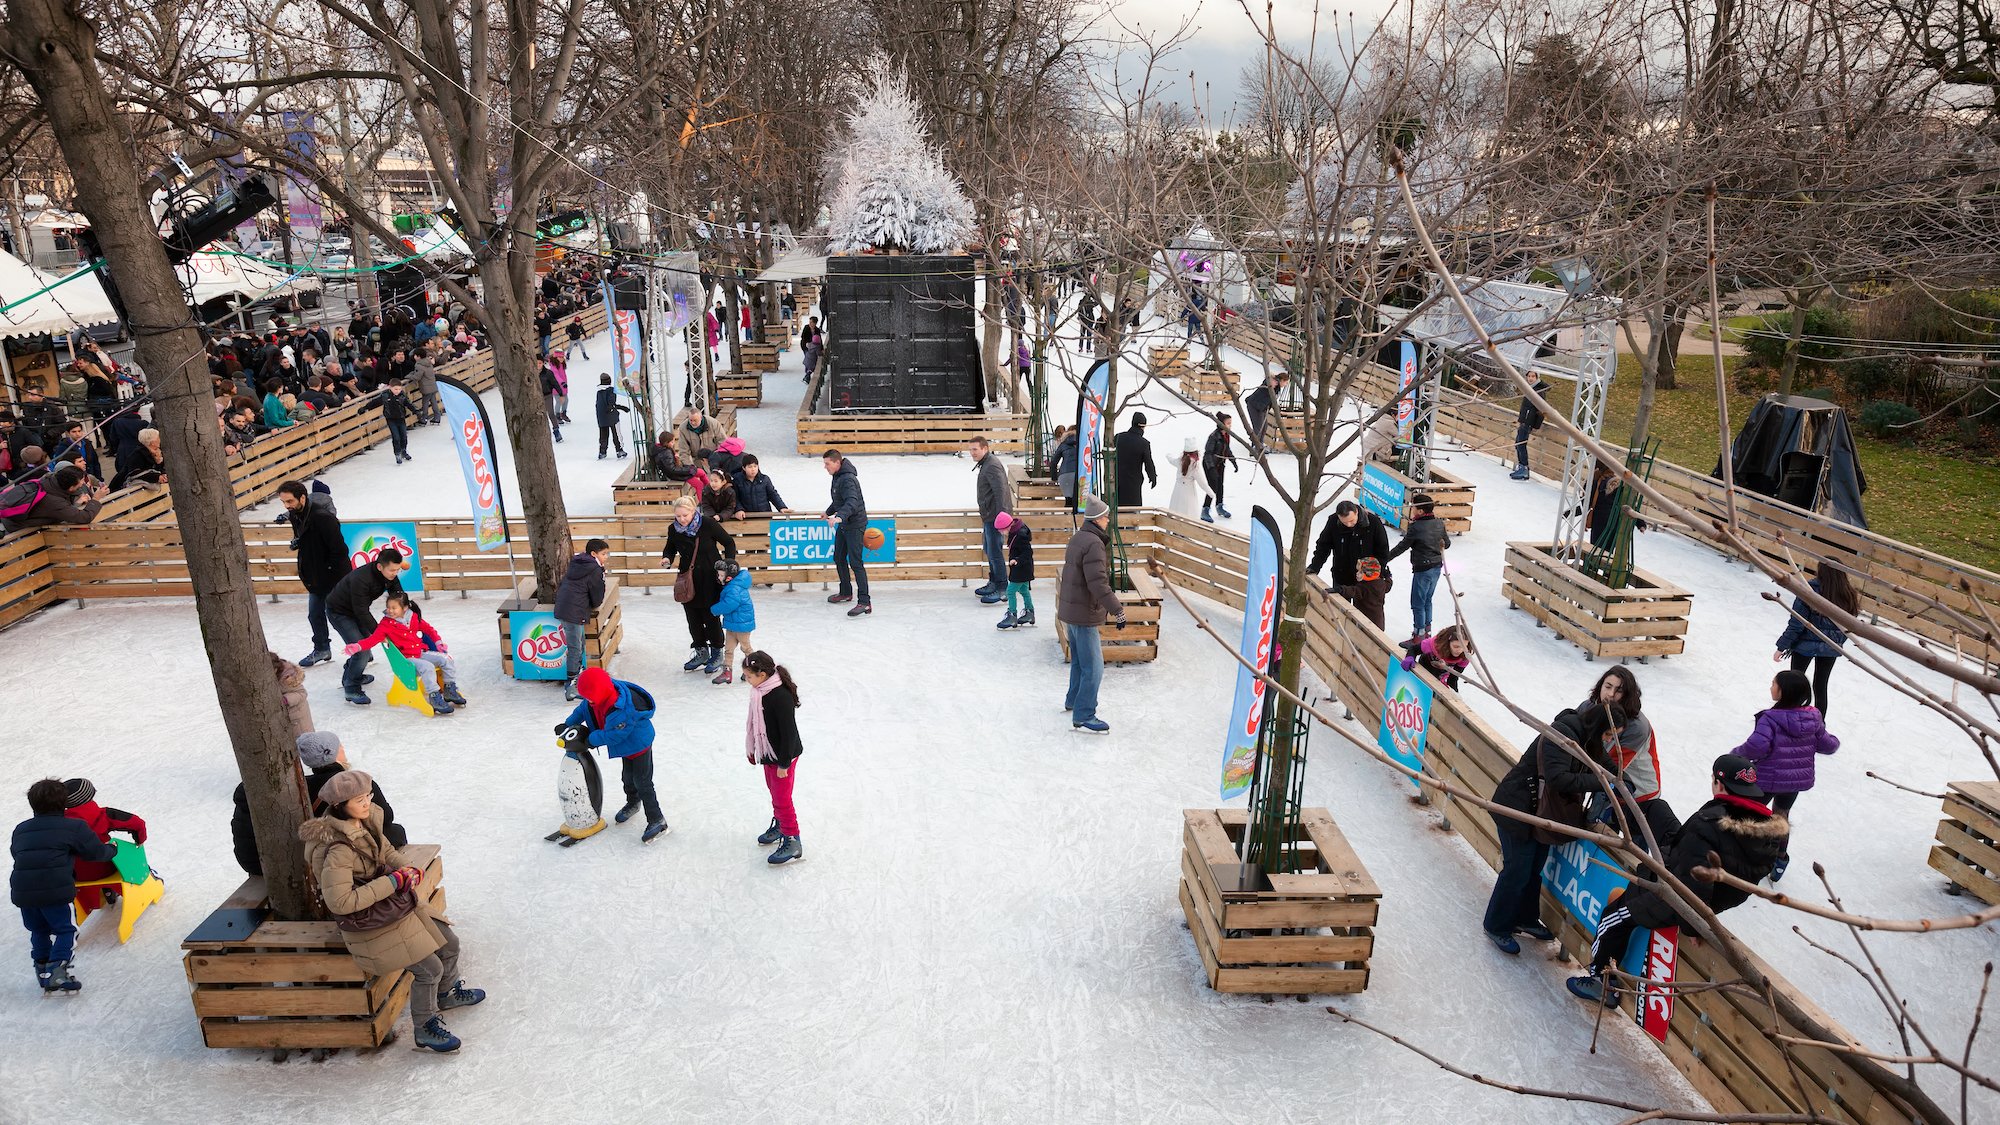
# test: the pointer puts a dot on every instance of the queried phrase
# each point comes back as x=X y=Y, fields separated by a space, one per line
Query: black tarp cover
x=1783 y=424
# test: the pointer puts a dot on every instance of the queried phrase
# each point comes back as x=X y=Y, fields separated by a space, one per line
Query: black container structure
x=900 y=336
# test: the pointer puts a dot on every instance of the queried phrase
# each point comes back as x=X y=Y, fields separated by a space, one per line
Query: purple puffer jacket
x=1784 y=745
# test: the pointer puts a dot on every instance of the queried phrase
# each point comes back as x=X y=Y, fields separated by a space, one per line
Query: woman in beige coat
x=292 y=689
x=356 y=867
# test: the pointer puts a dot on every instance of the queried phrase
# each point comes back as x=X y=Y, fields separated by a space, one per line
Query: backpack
x=17 y=498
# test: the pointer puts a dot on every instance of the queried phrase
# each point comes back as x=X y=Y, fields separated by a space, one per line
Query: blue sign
x=1583 y=878
x=1383 y=494
x=366 y=540
x=1090 y=430
x=1261 y=602
x=1406 y=394
x=540 y=649
x=810 y=542
x=1406 y=716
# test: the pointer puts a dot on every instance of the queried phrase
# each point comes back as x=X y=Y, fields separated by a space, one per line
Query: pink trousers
x=781 y=797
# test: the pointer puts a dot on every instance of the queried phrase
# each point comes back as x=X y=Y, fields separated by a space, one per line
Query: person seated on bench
x=323 y=756
x=81 y=804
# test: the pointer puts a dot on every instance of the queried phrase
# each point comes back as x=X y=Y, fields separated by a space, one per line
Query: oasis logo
x=1404 y=716
x=475 y=449
x=628 y=341
x=1266 y=612
x=375 y=543
x=543 y=647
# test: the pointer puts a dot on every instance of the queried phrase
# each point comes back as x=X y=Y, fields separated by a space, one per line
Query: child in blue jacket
x=739 y=616
x=46 y=847
x=620 y=717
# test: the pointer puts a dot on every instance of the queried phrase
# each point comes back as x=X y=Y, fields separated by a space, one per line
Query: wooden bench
x=294 y=985
x=1303 y=934
x=1968 y=847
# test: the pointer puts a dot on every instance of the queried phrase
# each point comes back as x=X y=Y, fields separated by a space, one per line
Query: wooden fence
x=1724 y=1041
x=1898 y=582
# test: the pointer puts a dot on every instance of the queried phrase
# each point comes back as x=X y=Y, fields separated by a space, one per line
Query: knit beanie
x=317 y=749
x=81 y=791
x=1002 y=522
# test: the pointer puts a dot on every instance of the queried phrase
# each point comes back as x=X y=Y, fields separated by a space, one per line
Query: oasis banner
x=1406 y=395
x=810 y=542
x=367 y=539
x=625 y=343
x=540 y=649
x=473 y=435
x=1262 y=602
x=1406 y=716
x=1090 y=431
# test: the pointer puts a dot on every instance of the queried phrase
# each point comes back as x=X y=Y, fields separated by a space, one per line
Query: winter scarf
x=756 y=741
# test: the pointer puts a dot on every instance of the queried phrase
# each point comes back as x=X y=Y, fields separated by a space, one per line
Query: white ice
x=984 y=928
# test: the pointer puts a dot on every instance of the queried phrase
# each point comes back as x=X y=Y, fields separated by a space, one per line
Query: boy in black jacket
x=754 y=491
x=1736 y=825
x=1427 y=541
x=396 y=414
x=46 y=847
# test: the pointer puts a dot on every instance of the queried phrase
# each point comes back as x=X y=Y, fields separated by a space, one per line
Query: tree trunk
x=1789 y=369
x=509 y=305
x=993 y=326
x=1271 y=822
x=55 y=49
x=1656 y=368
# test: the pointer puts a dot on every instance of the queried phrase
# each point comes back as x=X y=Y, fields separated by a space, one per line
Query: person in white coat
x=1191 y=491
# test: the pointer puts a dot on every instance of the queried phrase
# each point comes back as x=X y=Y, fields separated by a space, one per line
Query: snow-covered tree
x=893 y=191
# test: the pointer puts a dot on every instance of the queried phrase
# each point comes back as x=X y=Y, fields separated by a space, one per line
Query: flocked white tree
x=892 y=191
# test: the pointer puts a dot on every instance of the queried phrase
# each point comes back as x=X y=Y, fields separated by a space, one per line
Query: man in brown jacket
x=695 y=436
x=1083 y=601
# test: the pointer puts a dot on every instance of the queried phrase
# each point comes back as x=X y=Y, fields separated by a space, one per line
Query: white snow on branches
x=893 y=191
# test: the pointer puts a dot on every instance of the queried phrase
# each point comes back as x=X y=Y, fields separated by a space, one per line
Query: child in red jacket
x=82 y=805
x=403 y=627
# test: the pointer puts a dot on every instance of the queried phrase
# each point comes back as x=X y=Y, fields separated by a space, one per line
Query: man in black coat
x=1526 y=421
x=1736 y=826
x=322 y=755
x=323 y=559
x=349 y=610
x=1135 y=455
x=1352 y=534
x=848 y=513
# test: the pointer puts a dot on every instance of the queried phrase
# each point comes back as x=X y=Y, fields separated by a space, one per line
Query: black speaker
x=628 y=291
x=900 y=334
x=403 y=287
x=1798 y=482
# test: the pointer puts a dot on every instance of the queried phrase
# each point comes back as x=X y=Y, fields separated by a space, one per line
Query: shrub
x=1865 y=380
x=1766 y=342
x=1881 y=419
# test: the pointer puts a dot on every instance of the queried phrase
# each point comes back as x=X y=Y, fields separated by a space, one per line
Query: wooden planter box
x=1209 y=385
x=778 y=334
x=740 y=388
x=1139 y=641
x=1647 y=618
x=757 y=357
x=1037 y=496
x=1168 y=362
x=1453 y=495
x=602 y=634
x=1968 y=847
x=648 y=498
x=293 y=985
x=1311 y=933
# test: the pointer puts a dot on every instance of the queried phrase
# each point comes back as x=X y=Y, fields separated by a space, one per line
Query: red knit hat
x=595 y=684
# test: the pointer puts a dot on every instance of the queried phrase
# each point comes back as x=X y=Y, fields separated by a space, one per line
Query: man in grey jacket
x=1084 y=601
x=429 y=407
x=995 y=496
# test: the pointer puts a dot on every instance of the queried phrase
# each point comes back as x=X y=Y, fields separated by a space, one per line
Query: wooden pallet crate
x=778 y=334
x=908 y=433
x=1168 y=361
x=1968 y=847
x=1210 y=385
x=1453 y=494
x=740 y=388
x=1647 y=618
x=757 y=357
x=602 y=634
x=1139 y=641
x=633 y=497
x=1307 y=934
x=293 y=985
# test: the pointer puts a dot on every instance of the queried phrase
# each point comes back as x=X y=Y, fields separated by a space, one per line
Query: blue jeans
x=316 y=617
x=51 y=931
x=996 y=558
x=1086 y=671
x=1517 y=890
x=573 y=650
x=1423 y=584
x=350 y=631
x=636 y=772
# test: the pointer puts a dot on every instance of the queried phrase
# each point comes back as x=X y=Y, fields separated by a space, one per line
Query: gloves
x=401 y=877
x=350 y=650
x=562 y=726
x=1121 y=621
x=1409 y=662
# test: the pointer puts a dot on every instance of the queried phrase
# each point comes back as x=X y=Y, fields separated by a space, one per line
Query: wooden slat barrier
x=304 y=450
x=1968 y=847
x=27 y=576
x=907 y=433
x=1721 y=1040
x=1898 y=581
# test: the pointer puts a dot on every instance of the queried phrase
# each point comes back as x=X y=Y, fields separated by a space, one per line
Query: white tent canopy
x=224 y=275
x=794 y=267
x=77 y=303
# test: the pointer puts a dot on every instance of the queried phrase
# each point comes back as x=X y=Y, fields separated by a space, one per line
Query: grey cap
x=317 y=748
x=1095 y=508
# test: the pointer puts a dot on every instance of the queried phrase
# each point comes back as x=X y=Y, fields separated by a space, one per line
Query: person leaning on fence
x=1549 y=780
x=63 y=496
x=1356 y=540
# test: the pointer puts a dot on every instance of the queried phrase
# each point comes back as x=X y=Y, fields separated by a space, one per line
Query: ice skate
x=723 y=677
x=357 y=697
x=1008 y=622
x=317 y=656
x=695 y=662
x=59 y=974
x=433 y=1036
x=787 y=852
x=839 y=599
x=459 y=996
x=439 y=704
x=452 y=696
x=630 y=810
x=45 y=978
x=1593 y=988
x=771 y=835
x=861 y=609
x=654 y=831
x=1027 y=619
x=1093 y=726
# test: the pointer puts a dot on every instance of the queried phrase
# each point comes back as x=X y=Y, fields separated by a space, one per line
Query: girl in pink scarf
x=771 y=739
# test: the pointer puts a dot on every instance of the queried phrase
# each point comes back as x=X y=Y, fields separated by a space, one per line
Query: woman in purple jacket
x=1789 y=737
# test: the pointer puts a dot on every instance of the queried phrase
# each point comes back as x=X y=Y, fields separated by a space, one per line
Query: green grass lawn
x=1733 y=328
x=1945 y=504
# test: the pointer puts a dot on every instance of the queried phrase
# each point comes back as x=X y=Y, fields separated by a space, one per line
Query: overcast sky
x=1224 y=40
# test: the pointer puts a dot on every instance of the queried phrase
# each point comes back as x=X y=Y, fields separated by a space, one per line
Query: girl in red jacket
x=83 y=806
x=403 y=627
